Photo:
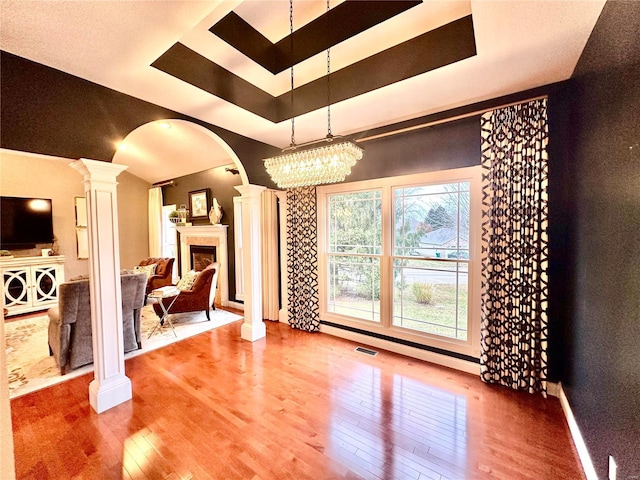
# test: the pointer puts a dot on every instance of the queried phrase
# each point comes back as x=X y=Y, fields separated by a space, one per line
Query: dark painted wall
x=50 y=112
x=602 y=253
x=47 y=111
x=450 y=145
x=221 y=186
x=561 y=241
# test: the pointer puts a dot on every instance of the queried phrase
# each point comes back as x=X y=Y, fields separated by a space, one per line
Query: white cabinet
x=31 y=283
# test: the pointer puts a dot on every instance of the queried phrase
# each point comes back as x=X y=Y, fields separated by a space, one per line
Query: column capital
x=250 y=190
x=94 y=170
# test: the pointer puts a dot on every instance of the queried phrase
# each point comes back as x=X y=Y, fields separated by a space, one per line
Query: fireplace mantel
x=207 y=235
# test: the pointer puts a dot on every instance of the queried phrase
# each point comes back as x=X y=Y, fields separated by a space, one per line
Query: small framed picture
x=199 y=204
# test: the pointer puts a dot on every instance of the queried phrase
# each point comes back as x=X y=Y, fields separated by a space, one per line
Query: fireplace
x=202 y=256
x=201 y=245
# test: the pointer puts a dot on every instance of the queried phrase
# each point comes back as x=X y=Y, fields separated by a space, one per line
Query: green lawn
x=437 y=318
x=408 y=313
x=354 y=306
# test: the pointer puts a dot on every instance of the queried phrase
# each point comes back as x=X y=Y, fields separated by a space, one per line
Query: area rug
x=30 y=367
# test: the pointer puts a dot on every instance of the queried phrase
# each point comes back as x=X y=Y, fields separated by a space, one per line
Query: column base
x=105 y=396
x=253 y=331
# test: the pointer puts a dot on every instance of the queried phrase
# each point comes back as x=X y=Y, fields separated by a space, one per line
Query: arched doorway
x=170 y=148
x=165 y=149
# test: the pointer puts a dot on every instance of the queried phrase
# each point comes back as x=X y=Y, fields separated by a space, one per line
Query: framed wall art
x=199 y=204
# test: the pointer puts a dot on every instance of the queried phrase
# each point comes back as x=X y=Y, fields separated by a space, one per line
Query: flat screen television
x=25 y=222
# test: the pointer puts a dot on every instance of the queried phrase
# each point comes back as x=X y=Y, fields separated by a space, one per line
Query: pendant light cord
x=293 y=118
x=329 y=135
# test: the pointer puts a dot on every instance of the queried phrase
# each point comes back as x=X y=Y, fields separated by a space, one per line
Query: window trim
x=470 y=347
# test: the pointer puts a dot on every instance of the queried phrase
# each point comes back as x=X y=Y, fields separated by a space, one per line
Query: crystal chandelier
x=314 y=163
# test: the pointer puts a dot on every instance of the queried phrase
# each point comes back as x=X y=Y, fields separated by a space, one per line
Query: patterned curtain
x=515 y=247
x=302 y=259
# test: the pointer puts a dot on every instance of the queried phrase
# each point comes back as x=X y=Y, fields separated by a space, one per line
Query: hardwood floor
x=297 y=406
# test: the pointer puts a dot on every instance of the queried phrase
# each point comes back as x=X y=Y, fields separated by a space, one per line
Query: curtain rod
x=447 y=120
x=168 y=183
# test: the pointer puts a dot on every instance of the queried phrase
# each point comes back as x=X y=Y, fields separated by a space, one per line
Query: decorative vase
x=215 y=214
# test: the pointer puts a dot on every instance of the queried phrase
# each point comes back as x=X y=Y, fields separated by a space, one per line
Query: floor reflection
x=386 y=425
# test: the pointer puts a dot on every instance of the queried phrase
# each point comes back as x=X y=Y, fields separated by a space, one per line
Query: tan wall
x=24 y=175
x=133 y=224
x=30 y=175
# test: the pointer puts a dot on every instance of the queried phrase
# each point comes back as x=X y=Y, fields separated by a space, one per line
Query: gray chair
x=70 y=337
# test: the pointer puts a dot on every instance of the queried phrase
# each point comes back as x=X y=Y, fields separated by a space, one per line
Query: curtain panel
x=270 y=261
x=302 y=259
x=155 y=221
x=514 y=324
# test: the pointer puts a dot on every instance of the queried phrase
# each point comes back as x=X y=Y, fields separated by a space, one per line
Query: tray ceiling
x=226 y=62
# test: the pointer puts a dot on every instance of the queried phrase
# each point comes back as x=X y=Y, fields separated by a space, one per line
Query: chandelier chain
x=306 y=164
x=329 y=135
x=293 y=118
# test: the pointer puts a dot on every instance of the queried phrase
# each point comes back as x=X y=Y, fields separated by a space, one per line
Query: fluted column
x=110 y=385
x=253 y=327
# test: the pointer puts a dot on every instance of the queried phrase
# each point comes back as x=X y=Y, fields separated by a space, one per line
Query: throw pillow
x=148 y=269
x=187 y=280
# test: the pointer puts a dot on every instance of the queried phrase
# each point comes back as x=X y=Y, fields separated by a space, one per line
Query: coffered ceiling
x=227 y=62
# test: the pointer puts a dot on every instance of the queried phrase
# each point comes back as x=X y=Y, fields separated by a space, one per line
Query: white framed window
x=400 y=257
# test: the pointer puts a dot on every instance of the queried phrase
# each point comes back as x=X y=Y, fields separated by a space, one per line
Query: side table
x=158 y=295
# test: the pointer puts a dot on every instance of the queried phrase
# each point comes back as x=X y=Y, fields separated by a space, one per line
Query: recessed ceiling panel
x=435 y=49
x=520 y=45
x=335 y=26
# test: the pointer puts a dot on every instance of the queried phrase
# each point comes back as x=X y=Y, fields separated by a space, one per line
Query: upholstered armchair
x=162 y=275
x=198 y=297
x=70 y=334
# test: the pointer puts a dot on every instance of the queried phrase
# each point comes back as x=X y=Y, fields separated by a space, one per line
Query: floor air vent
x=366 y=351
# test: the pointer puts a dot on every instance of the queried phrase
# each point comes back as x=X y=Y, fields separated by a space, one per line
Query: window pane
x=432 y=221
x=354 y=286
x=431 y=297
x=355 y=222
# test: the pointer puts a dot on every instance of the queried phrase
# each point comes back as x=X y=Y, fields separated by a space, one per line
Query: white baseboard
x=236 y=305
x=426 y=355
x=583 y=453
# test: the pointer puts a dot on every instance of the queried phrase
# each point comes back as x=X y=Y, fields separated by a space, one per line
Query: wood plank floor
x=297 y=406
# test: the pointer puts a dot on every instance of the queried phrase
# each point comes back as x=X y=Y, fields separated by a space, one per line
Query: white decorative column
x=284 y=310
x=253 y=327
x=110 y=385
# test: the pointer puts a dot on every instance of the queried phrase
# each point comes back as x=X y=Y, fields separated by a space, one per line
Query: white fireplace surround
x=207 y=235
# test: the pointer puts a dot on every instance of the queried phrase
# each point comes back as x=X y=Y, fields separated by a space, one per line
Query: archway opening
x=166 y=149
